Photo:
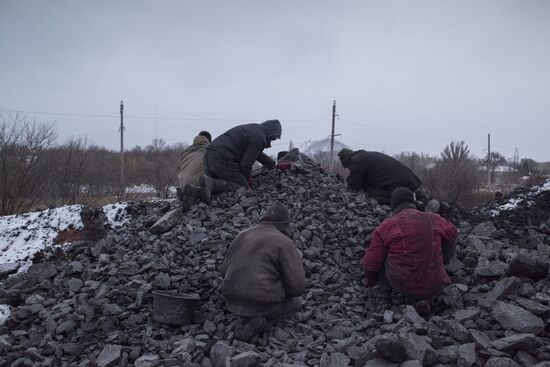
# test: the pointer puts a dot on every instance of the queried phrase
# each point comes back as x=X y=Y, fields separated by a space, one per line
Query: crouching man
x=263 y=273
x=408 y=250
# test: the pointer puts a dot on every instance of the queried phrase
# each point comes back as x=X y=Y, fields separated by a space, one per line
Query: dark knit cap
x=281 y=154
x=273 y=129
x=207 y=135
x=345 y=156
x=401 y=195
x=276 y=213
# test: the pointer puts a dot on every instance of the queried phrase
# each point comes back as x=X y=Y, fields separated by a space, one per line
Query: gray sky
x=406 y=75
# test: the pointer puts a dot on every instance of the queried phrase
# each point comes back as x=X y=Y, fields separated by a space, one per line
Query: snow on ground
x=22 y=236
x=147 y=189
x=141 y=189
x=116 y=214
x=514 y=202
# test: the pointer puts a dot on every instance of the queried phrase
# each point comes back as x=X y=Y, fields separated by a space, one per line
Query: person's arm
x=292 y=271
x=253 y=151
x=450 y=232
x=266 y=161
x=225 y=265
x=374 y=257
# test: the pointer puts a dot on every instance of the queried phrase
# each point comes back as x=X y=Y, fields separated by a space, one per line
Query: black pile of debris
x=93 y=304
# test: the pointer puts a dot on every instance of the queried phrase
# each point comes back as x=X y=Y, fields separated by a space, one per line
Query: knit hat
x=276 y=213
x=401 y=195
x=273 y=129
x=345 y=156
x=207 y=135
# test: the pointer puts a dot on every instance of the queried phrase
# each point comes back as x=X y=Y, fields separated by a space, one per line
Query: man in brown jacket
x=190 y=168
x=263 y=272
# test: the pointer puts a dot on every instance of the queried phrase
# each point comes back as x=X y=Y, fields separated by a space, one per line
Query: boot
x=179 y=194
x=189 y=195
x=207 y=186
x=423 y=307
x=253 y=327
x=210 y=186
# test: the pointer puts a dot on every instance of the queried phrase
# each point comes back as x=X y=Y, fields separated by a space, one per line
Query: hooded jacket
x=375 y=169
x=244 y=144
x=191 y=162
x=410 y=241
x=262 y=267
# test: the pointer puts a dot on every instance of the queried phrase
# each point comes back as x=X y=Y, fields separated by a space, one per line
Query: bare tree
x=22 y=144
x=160 y=166
x=458 y=173
x=69 y=179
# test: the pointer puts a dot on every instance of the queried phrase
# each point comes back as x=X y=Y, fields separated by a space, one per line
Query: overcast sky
x=406 y=75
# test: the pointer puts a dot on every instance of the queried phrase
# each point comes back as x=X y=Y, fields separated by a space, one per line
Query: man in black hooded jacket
x=377 y=173
x=229 y=158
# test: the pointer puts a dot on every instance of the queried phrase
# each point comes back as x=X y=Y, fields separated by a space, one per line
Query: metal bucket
x=174 y=308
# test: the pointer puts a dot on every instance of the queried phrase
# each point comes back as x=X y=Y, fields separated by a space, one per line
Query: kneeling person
x=263 y=272
x=408 y=250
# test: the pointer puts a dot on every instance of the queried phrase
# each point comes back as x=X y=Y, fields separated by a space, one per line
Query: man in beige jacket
x=191 y=168
x=263 y=272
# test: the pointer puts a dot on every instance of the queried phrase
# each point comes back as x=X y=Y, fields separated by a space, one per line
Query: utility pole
x=489 y=165
x=331 y=165
x=121 y=148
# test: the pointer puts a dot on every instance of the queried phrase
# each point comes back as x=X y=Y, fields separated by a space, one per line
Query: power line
x=166 y=95
x=433 y=137
x=136 y=117
x=216 y=119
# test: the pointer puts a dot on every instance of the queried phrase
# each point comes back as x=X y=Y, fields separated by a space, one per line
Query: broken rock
x=513 y=317
x=528 y=267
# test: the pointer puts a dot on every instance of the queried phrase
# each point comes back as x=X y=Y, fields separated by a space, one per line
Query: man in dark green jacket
x=263 y=272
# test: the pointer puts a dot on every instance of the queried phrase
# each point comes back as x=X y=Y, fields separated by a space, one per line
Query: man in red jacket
x=407 y=251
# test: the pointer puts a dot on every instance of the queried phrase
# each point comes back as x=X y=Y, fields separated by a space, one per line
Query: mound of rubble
x=92 y=305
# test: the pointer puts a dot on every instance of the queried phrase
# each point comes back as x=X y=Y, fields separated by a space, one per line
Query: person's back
x=234 y=143
x=262 y=270
x=191 y=166
x=408 y=248
x=377 y=173
x=229 y=158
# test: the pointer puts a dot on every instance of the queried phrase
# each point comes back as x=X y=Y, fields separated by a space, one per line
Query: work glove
x=250 y=181
x=371 y=278
x=282 y=165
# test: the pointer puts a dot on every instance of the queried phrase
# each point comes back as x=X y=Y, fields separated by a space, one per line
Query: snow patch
x=141 y=189
x=116 y=214
x=23 y=235
x=514 y=202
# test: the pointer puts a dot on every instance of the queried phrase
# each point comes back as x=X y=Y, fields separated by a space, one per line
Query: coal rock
x=92 y=305
x=528 y=267
x=391 y=349
x=514 y=342
x=109 y=355
x=515 y=318
x=501 y=362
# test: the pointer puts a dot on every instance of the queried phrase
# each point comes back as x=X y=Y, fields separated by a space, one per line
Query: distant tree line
x=38 y=172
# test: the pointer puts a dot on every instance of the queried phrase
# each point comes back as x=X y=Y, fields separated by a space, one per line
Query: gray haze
x=406 y=75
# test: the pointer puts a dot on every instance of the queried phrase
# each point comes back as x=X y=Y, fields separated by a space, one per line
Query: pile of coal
x=92 y=305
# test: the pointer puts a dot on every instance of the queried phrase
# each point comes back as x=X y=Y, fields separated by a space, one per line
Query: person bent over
x=408 y=250
x=377 y=174
x=229 y=158
x=263 y=276
x=191 y=168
